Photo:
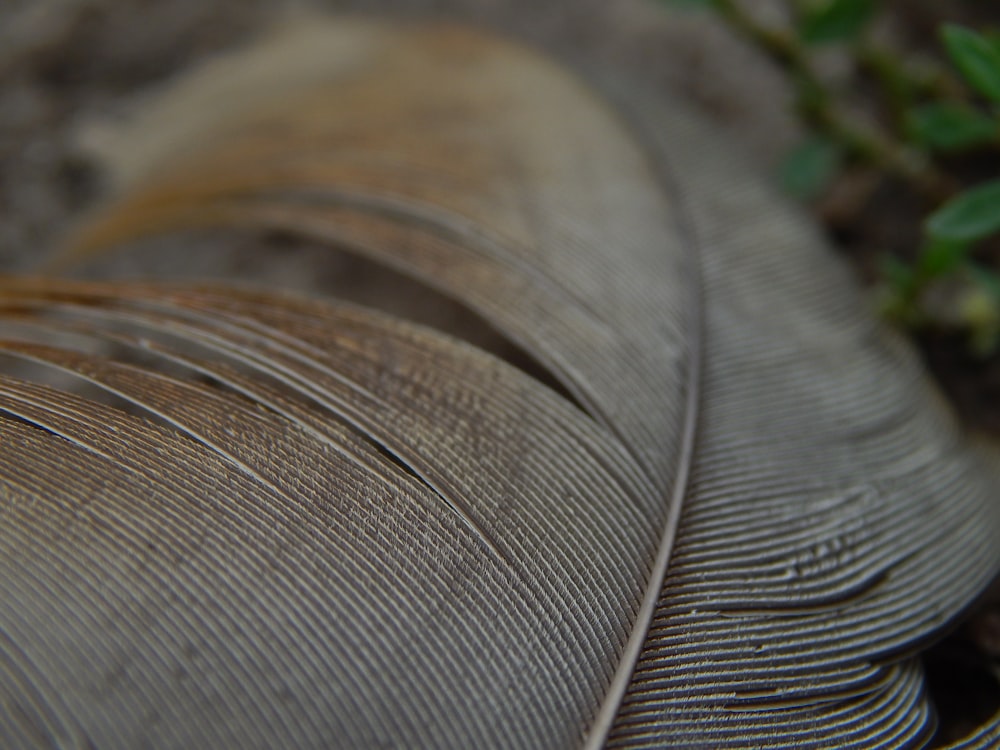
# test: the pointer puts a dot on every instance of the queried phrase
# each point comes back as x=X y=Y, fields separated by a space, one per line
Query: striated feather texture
x=714 y=504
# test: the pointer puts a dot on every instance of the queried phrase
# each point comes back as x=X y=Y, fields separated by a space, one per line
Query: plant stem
x=904 y=82
x=819 y=109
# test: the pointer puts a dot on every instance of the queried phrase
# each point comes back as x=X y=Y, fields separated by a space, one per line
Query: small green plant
x=925 y=120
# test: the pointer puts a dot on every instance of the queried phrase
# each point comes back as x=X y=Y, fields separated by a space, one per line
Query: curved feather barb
x=722 y=509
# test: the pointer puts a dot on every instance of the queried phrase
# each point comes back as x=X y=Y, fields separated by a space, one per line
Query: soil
x=67 y=63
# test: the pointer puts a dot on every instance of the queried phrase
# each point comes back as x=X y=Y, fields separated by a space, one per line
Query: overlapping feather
x=727 y=512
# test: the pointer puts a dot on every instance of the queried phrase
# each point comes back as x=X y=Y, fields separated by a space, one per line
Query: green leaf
x=972 y=215
x=808 y=169
x=900 y=292
x=976 y=57
x=836 y=21
x=993 y=37
x=950 y=127
x=940 y=257
x=987 y=279
x=898 y=274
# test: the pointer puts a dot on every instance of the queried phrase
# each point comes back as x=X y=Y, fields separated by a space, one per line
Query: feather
x=725 y=510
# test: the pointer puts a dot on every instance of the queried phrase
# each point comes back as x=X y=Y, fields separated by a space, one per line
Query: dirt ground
x=67 y=64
